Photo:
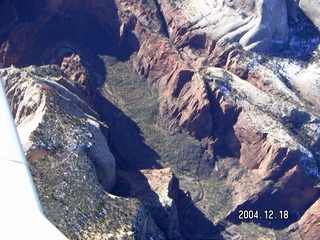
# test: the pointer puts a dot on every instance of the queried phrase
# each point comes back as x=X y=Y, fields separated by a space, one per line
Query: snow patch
x=307 y=82
x=254 y=64
x=224 y=90
x=29 y=124
x=289 y=69
x=308 y=161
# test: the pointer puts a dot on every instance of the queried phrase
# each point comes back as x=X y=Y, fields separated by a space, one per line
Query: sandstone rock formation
x=255 y=118
x=256 y=135
x=311 y=9
x=158 y=190
x=307 y=83
x=76 y=148
x=64 y=145
x=308 y=226
x=35 y=99
x=253 y=24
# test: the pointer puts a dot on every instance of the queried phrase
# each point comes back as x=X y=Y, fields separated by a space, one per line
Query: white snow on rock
x=246 y=22
x=308 y=161
x=307 y=83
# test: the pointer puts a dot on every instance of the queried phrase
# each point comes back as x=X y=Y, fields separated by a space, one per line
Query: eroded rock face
x=246 y=118
x=252 y=24
x=70 y=162
x=269 y=155
x=35 y=100
x=311 y=9
x=308 y=225
x=158 y=190
x=307 y=83
x=56 y=17
x=181 y=91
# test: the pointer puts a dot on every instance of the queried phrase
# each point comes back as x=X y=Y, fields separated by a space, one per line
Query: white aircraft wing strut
x=21 y=215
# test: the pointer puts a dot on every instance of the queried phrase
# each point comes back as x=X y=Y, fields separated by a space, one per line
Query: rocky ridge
x=72 y=166
x=251 y=109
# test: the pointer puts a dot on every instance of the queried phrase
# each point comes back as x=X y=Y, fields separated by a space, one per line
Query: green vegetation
x=67 y=183
x=160 y=142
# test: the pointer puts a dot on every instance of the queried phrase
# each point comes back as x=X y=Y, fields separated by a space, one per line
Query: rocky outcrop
x=67 y=164
x=232 y=115
x=311 y=9
x=158 y=190
x=73 y=68
x=253 y=24
x=79 y=71
x=308 y=225
x=35 y=100
x=268 y=155
x=181 y=91
x=57 y=17
x=73 y=166
x=307 y=84
x=248 y=23
x=245 y=118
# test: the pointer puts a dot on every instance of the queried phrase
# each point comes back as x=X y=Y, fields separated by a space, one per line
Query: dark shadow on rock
x=279 y=207
x=183 y=218
x=132 y=155
x=134 y=184
x=297 y=118
x=125 y=138
x=28 y=10
x=227 y=144
x=129 y=44
x=303 y=39
x=41 y=29
x=61 y=37
x=193 y=223
x=48 y=38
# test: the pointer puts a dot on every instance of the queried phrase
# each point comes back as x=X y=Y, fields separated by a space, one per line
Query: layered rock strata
x=244 y=117
x=253 y=24
x=308 y=225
